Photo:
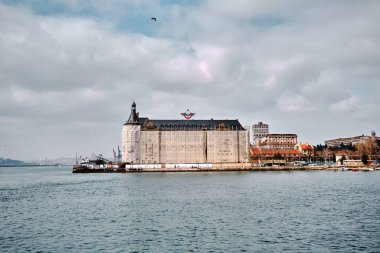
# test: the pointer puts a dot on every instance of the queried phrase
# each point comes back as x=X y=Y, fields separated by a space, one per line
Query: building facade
x=351 y=141
x=146 y=141
x=280 y=141
x=305 y=149
x=260 y=132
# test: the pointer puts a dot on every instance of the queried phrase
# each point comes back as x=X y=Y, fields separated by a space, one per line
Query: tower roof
x=133 y=117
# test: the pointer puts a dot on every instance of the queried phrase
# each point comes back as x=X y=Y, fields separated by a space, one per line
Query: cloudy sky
x=70 y=69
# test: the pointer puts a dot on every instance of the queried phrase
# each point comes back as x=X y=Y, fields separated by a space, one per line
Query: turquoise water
x=49 y=209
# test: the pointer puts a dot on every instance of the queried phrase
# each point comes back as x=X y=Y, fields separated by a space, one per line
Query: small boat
x=367 y=169
x=344 y=169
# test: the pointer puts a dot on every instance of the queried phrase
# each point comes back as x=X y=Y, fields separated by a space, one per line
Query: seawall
x=214 y=168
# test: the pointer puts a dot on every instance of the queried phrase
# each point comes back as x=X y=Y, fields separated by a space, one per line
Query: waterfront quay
x=116 y=168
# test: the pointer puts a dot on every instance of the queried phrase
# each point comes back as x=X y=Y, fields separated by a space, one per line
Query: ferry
x=99 y=164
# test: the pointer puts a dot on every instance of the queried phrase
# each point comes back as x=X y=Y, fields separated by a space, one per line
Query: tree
x=325 y=153
x=369 y=147
x=364 y=159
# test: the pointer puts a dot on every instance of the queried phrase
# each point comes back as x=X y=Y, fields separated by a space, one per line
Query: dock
x=213 y=168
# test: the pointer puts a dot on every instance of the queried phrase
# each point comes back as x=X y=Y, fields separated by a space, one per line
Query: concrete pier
x=213 y=168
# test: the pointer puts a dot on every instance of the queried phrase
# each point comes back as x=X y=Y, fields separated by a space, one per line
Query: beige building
x=260 y=133
x=280 y=141
x=146 y=141
x=351 y=141
x=305 y=149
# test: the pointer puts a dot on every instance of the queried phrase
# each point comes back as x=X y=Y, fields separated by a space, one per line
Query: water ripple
x=50 y=210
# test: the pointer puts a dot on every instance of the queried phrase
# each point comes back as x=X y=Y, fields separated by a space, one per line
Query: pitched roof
x=282 y=135
x=191 y=124
x=306 y=146
x=181 y=125
x=257 y=151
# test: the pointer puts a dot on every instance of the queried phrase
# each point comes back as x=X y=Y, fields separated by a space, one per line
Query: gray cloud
x=68 y=79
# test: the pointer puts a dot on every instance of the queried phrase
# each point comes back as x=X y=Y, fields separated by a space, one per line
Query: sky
x=70 y=69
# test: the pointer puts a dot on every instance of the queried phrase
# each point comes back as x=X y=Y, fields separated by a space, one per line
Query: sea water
x=49 y=209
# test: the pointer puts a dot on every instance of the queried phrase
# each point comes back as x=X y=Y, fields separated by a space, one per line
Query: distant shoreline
x=32 y=165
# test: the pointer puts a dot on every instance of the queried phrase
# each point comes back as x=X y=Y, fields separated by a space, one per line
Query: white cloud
x=294 y=103
x=252 y=60
x=344 y=105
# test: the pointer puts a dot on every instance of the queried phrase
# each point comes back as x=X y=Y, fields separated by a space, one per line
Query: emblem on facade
x=187 y=115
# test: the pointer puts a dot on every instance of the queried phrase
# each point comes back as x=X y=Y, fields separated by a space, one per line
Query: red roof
x=256 y=151
x=306 y=146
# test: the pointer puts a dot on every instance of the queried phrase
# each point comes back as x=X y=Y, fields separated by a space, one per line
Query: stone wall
x=182 y=147
x=222 y=146
x=130 y=143
x=243 y=146
x=152 y=146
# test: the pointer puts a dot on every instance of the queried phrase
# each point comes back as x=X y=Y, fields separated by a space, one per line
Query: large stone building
x=147 y=141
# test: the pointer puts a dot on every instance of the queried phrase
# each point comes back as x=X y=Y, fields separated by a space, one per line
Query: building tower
x=260 y=133
x=130 y=138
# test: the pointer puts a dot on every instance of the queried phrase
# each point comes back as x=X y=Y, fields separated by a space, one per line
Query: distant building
x=148 y=141
x=305 y=149
x=351 y=141
x=267 y=156
x=279 y=141
x=260 y=132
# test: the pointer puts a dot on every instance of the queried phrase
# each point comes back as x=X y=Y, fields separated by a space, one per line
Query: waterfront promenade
x=214 y=168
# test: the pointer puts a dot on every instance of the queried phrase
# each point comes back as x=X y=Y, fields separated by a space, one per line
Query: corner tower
x=130 y=137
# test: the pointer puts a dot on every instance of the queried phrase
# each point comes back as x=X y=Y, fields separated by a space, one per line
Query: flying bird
x=154 y=19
